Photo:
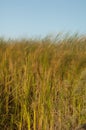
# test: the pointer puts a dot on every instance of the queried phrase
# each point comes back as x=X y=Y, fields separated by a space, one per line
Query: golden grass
x=42 y=84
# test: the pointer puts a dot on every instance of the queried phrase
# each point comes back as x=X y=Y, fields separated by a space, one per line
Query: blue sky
x=29 y=18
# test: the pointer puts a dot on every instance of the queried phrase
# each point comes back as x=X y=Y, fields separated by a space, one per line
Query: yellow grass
x=42 y=84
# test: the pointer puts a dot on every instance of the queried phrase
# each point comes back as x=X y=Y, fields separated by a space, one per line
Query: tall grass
x=42 y=84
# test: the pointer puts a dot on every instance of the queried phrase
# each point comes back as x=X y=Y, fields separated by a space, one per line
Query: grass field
x=43 y=84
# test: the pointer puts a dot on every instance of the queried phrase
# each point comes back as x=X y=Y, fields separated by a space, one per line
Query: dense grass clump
x=42 y=84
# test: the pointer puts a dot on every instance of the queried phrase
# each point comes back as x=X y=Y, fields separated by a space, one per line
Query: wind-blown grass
x=42 y=84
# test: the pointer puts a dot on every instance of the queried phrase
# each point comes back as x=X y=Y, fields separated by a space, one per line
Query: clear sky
x=28 y=18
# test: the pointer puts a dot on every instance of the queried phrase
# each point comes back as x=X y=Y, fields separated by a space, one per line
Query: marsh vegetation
x=42 y=84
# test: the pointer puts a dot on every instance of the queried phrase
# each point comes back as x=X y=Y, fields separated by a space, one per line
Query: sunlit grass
x=43 y=84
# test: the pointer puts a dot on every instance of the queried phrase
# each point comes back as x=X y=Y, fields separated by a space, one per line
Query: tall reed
x=42 y=84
